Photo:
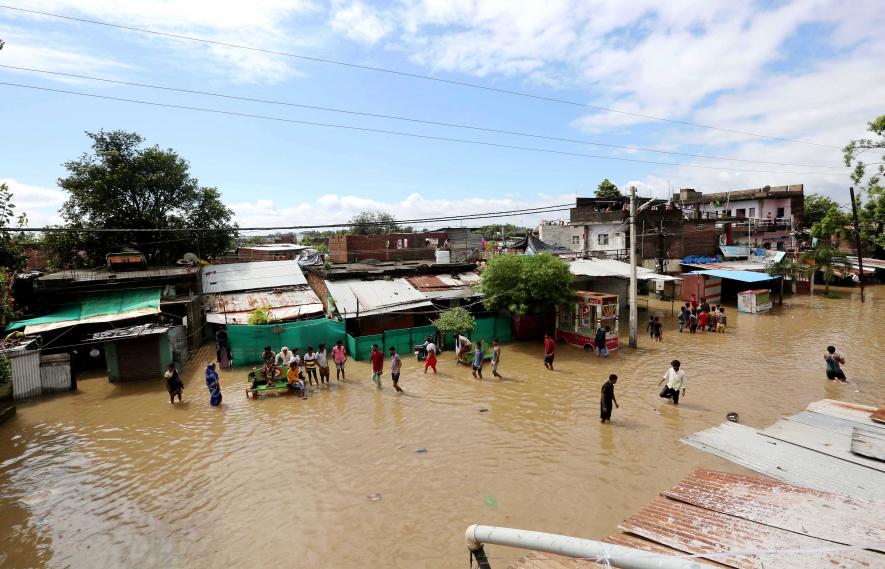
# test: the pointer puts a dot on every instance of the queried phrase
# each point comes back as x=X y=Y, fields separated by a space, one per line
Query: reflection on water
x=115 y=476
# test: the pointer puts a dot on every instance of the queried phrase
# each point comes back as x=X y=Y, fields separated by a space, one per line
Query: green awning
x=106 y=307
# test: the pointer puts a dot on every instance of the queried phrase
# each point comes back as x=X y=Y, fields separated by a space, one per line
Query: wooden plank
x=869 y=443
x=851 y=411
x=878 y=416
x=824 y=515
x=835 y=444
x=788 y=462
x=724 y=538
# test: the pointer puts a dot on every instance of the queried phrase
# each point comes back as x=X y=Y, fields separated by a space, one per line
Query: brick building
x=386 y=247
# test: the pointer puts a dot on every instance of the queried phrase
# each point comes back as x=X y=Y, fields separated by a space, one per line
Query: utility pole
x=634 y=316
x=857 y=241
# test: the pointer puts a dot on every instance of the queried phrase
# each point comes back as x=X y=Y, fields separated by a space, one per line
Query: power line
x=408 y=134
x=510 y=213
x=407 y=119
x=410 y=75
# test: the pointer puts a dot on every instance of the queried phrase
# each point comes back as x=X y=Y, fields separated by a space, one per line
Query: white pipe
x=618 y=556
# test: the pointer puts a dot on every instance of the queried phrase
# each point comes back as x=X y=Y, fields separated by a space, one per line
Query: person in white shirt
x=675 y=379
x=430 y=359
x=284 y=357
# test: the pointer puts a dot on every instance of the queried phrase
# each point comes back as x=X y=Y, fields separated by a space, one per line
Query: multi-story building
x=776 y=205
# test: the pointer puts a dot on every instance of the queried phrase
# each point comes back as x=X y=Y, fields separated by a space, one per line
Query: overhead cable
x=408 y=134
x=408 y=119
x=411 y=75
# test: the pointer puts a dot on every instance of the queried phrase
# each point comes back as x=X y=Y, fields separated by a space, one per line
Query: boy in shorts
x=834 y=369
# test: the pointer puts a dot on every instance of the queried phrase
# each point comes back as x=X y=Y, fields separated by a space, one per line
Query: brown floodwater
x=115 y=476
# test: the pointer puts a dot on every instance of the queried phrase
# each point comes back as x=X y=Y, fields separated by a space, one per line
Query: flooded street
x=115 y=476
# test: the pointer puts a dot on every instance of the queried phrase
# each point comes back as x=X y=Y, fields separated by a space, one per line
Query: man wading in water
x=608 y=397
x=674 y=378
x=833 y=359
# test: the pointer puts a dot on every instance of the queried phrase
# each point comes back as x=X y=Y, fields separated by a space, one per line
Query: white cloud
x=258 y=23
x=357 y=21
x=50 y=51
x=332 y=208
x=40 y=204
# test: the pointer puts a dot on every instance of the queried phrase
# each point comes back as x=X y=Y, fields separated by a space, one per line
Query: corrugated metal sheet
x=843 y=410
x=251 y=276
x=375 y=297
x=834 y=424
x=446 y=287
x=235 y=307
x=788 y=462
x=832 y=443
x=55 y=373
x=824 y=515
x=699 y=531
x=868 y=443
x=25 y=373
x=612 y=268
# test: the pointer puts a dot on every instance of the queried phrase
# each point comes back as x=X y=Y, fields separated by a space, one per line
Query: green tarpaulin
x=105 y=307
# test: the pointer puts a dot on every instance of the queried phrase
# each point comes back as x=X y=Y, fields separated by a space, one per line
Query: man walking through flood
x=478 y=360
x=608 y=397
x=833 y=359
x=430 y=359
x=339 y=354
x=549 y=349
x=496 y=357
x=675 y=378
x=377 y=358
x=396 y=365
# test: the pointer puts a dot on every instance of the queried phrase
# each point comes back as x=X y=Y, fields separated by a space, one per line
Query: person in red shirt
x=377 y=358
x=549 y=348
x=694 y=302
x=702 y=320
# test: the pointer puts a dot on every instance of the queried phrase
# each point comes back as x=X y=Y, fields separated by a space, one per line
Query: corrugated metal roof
x=730 y=265
x=446 y=287
x=834 y=443
x=786 y=506
x=742 y=276
x=374 y=297
x=612 y=268
x=256 y=275
x=704 y=532
x=844 y=410
x=788 y=462
x=869 y=443
x=235 y=307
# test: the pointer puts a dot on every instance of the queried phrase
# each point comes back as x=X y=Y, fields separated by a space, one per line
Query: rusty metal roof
x=446 y=287
x=235 y=307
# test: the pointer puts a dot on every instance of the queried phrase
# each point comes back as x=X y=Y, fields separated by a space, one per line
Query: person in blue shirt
x=478 y=360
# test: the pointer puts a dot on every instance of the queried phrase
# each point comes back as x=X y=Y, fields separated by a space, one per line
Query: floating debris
x=732 y=416
x=421 y=450
x=484 y=410
x=491 y=502
x=374 y=497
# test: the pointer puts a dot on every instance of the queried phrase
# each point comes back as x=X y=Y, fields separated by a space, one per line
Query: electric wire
x=411 y=119
x=410 y=75
x=408 y=134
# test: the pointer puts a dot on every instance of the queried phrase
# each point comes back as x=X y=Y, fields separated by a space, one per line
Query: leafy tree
x=832 y=224
x=606 y=190
x=124 y=185
x=373 y=223
x=816 y=207
x=455 y=321
x=11 y=255
x=786 y=268
x=868 y=181
x=822 y=258
x=526 y=283
x=500 y=231
x=260 y=315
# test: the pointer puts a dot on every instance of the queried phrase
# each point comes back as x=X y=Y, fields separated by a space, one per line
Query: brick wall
x=318 y=286
x=387 y=247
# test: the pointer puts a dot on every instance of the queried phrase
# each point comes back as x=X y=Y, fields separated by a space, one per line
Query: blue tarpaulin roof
x=743 y=276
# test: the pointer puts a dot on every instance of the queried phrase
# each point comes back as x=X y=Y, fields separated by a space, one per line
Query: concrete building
x=561 y=234
x=776 y=205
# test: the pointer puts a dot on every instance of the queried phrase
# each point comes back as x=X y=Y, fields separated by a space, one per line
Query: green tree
x=867 y=178
x=11 y=254
x=123 y=185
x=822 y=258
x=524 y=284
x=786 y=268
x=832 y=224
x=606 y=190
x=373 y=223
x=816 y=207
x=455 y=320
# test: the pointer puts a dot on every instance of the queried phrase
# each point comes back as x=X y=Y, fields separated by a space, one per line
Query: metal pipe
x=634 y=314
x=618 y=556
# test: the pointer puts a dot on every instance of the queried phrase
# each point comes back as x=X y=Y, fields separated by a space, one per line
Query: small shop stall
x=576 y=322
x=754 y=301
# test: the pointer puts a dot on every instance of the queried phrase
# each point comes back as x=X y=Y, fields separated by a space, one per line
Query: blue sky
x=808 y=70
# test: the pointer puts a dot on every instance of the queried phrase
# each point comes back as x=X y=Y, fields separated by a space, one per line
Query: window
x=741 y=213
x=602 y=238
x=752 y=212
x=576 y=240
x=781 y=212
